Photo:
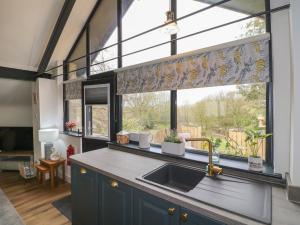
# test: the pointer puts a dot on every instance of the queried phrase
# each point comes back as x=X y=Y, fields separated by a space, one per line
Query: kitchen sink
x=179 y=177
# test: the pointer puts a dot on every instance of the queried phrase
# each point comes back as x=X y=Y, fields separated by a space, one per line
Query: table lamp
x=47 y=136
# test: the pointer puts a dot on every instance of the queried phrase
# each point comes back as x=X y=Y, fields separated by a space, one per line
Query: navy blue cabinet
x=100 y=200
x=115 y=202
x=188 y=217
x=84 y=196
x=150 y=210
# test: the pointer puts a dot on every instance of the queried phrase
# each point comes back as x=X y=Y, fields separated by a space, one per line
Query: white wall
x=295 y=92
x=48 y=113
x=15 y=103
x=281 y=86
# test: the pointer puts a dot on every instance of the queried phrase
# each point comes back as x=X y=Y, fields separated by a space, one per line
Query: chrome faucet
x=212 y=170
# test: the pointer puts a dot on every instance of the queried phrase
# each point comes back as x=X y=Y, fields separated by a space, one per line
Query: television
x=16 y=139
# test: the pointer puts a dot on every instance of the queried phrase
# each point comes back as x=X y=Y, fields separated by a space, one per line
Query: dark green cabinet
x=188 y=217
x=84 y=196
x=115 y=202
x=100 y=200
x=150 y=210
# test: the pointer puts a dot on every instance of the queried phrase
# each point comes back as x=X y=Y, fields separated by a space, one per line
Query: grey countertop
x=126 y=167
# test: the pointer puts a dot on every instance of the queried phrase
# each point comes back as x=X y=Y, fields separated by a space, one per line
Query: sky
x=144 y=14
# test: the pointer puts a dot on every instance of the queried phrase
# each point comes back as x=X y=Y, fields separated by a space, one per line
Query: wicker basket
x=123 y=137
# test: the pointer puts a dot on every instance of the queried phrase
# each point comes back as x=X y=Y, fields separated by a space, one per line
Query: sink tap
x=212 y=170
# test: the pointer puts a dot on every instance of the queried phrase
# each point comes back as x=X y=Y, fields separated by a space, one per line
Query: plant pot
x=173 y=148
x=255 y=163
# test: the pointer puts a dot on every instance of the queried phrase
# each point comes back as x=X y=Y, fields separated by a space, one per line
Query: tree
x=254 y=27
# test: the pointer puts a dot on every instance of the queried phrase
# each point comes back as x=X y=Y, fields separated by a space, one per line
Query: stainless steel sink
x=179 y=177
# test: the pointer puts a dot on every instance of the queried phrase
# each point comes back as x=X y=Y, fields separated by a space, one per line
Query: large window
x=76 y=67
x=147 y=112
x=103 y=33
x=139 y=16
x=214 y=17
x=222 y=114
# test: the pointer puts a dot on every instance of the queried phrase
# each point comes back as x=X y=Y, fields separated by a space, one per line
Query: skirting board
x=293 y=192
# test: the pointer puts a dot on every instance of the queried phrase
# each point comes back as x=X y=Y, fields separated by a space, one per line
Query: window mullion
x=173 y=52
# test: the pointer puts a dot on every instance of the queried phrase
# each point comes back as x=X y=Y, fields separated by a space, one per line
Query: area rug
x=8 y=214
x=64 y=206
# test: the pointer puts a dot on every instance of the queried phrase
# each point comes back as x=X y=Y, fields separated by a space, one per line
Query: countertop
x=126 y=167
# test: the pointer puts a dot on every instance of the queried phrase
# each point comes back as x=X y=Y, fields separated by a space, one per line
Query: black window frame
x=173 y=93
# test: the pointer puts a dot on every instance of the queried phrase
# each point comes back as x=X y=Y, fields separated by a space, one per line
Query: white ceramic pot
x=144 y=140
x=255 y=163
x=173 y=148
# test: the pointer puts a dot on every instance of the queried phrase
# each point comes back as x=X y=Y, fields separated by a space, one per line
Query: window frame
x=173 y=93
x=91 y=115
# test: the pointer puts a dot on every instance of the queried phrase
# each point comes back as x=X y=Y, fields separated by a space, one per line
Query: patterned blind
x=73 y=89
x=238 y=62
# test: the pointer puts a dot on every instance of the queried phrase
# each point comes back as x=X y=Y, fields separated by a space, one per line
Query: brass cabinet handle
x=171 y=211
x=114 y=184
x=83 y=171
x=183 y=217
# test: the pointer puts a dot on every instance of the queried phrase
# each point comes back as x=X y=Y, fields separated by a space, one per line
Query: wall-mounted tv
x=16 y=139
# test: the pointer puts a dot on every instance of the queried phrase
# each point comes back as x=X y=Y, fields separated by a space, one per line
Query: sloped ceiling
x=74 y=25
x=26 y=26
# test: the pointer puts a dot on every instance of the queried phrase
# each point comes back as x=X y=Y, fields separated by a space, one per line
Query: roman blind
x=238 y=62
x=96 y=95
x=73 y=89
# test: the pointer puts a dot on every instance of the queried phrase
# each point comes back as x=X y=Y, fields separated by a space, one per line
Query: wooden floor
x=33 y=201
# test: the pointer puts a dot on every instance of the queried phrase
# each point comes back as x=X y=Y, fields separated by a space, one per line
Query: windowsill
x=71 y=133
x=238 y=166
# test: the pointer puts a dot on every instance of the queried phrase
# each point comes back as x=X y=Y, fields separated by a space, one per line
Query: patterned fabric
x=241 y=64
x=73 y=89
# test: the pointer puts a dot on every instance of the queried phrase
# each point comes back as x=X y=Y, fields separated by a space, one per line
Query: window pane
x=147 y=112
x=224 y=112
x=103 y=33
x=217 y=16
x=75 y=113
x=139 y=16
x=74 y=67
x=100 y=121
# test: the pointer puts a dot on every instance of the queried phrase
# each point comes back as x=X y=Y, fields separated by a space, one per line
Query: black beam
x=18 y=74
x=59 y=26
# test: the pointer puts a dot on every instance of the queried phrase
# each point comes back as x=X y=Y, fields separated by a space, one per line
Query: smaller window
x=75 y=114
x=97 y=113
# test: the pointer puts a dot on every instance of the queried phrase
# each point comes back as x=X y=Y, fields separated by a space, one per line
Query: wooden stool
x=40 y=173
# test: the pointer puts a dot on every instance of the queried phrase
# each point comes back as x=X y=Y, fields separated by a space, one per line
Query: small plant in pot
x=255 y=139
x=173 y=144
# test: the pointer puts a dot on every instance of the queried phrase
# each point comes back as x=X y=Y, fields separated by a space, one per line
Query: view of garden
x=223 y=115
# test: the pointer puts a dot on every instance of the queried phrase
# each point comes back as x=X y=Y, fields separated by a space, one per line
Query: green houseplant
x=255 y=139
x=173 y=144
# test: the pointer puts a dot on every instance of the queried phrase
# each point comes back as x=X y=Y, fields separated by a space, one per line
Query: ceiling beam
x=59 y=26
x=17 y=74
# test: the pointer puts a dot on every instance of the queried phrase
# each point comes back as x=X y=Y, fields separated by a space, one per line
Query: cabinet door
x=150 y=210
x=188 y=217
x=115 y=202
x=84 y=196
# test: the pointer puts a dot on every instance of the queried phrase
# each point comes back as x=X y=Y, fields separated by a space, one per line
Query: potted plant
x=70 y=125
x=254 y=139
x=173 y=144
